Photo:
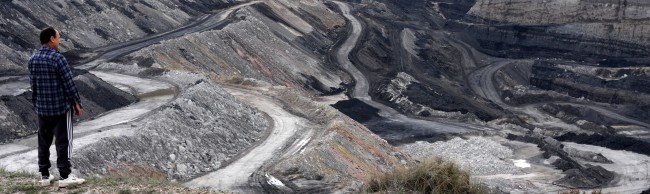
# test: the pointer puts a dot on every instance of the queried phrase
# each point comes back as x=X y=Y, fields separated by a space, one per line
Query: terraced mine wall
x=412 y=43
x=612 y=33
x=630 y=90
x=540 y=41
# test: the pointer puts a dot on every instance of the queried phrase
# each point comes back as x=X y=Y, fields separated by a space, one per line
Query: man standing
x=54 y=96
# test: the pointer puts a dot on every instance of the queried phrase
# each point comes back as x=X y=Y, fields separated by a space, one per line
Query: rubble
x=481 y=156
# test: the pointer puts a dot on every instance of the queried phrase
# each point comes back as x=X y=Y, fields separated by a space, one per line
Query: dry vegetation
x=580 y=192
x=118 y=182
x=432 y=176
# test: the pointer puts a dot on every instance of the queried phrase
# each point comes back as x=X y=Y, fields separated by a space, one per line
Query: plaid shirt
x=54 y=91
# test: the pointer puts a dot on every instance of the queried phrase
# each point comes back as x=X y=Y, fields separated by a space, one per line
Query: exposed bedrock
x=412 y=97
x=627 y=89
x=612 y=19
x=514 y=41
x=19 y=119
x=584 y=118
x=579 y=30
x=634 y=81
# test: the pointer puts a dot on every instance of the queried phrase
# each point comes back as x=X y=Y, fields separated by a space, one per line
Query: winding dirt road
x=482 y=83
x=236 y=176
x=205 y=23
x=233 y=177
x=20 y=84
x=632 y=168
x=362 y=88
x=141 y=87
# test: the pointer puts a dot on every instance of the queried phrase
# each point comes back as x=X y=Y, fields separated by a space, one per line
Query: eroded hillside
x=185 y=124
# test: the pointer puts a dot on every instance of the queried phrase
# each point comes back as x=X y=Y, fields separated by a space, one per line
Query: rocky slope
x=342 y=154
x=578 y=30
x=195 y=133
x=89 y=24
x=624 y=21
x=252 y=46
x=257 y=45
x=519 y=72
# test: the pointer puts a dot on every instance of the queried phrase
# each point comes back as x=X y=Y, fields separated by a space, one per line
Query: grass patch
x=125 y=191
x=20 y=174
x=431 y=176
x=24 y=188
x=17 y=182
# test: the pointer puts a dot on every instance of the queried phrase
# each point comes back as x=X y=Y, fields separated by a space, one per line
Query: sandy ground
x=22 y=155
x=235 y=176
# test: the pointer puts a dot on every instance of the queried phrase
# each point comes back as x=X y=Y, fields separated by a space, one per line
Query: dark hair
x=46 y=34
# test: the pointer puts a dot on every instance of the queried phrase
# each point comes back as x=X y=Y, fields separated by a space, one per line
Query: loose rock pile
x=479 y=155
x=195 y=133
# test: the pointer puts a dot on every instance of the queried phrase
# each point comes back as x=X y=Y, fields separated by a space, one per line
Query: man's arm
x=68 y=84
x=32 y=83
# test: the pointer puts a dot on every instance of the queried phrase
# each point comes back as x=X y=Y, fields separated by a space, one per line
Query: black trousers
x=61 y=128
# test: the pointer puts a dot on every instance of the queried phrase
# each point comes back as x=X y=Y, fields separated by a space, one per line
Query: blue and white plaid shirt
x=54 y=91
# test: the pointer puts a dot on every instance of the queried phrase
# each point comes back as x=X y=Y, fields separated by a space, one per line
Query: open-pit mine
x=316 y=96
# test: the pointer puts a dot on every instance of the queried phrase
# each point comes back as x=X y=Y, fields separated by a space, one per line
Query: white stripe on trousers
x=69 y=128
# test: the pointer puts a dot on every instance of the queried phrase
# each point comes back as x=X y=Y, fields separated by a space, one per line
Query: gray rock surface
x=247 y=47
x=394 y=92
x=578 y=175
x=481 y=156
x=340 y=155
x=12 y=125
x=608 y=19
x=196 y=133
